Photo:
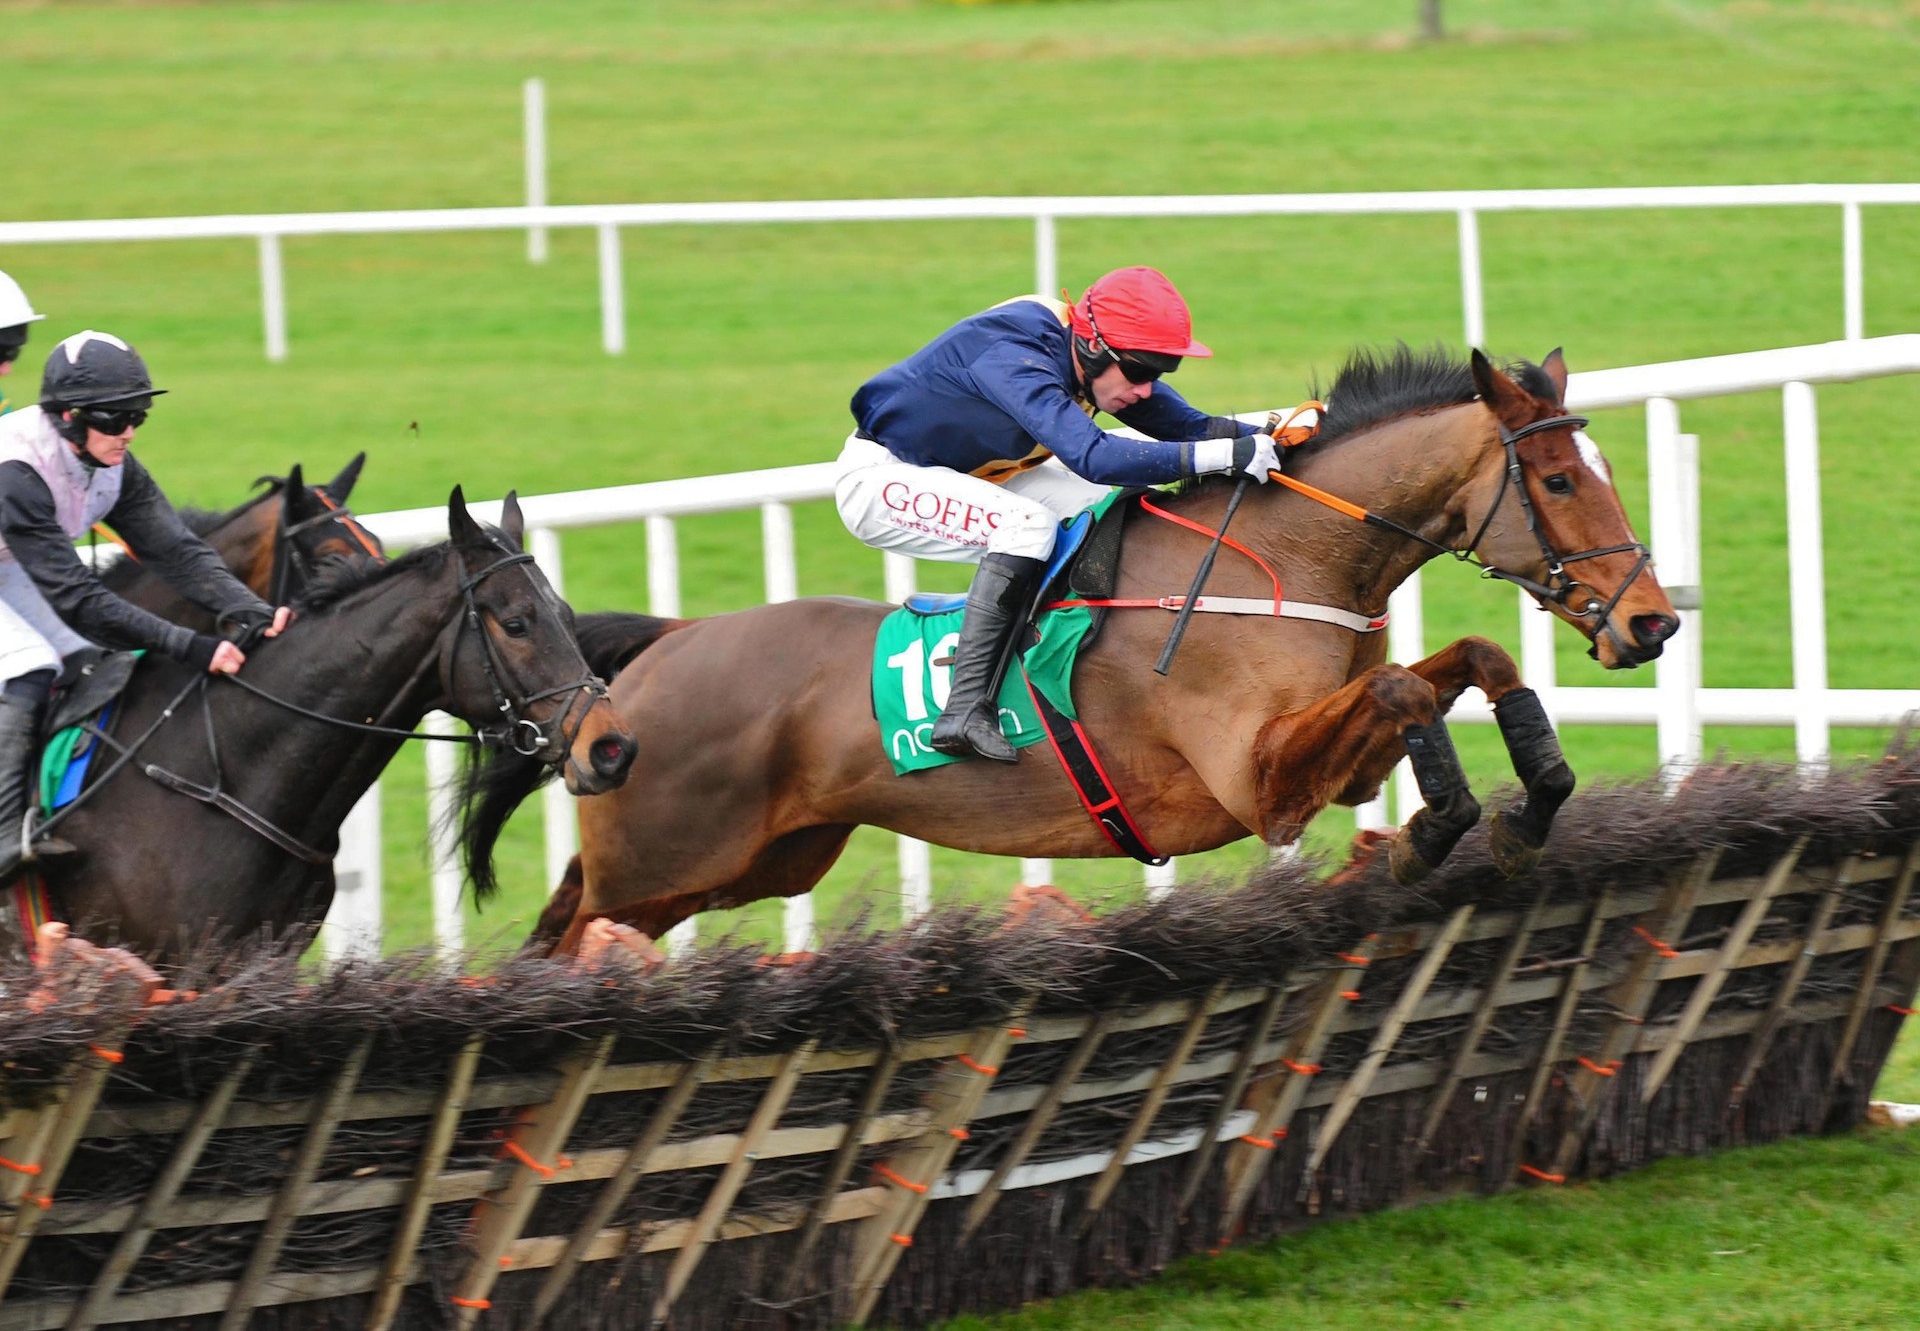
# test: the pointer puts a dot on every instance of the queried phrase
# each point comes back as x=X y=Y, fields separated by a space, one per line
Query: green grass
x=1801 y=1234
x=451 y=358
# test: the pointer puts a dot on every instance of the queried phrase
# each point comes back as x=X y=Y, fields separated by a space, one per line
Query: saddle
x=90 y=681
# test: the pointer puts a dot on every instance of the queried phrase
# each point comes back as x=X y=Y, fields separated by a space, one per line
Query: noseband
x=1558 y=588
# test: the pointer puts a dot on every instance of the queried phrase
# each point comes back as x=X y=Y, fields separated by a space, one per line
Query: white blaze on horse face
x=1590 y=454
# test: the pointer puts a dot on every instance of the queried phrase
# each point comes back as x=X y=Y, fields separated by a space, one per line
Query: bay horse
x=761 y=753
x=275 y=543
x=221 y=822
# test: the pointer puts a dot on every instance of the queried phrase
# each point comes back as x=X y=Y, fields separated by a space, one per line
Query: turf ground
x=451 y=359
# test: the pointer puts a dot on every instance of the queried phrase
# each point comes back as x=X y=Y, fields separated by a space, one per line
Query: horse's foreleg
x=1520 y=830
x=1351 y=740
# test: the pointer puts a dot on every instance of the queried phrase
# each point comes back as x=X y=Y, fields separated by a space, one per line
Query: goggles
x=110 y=421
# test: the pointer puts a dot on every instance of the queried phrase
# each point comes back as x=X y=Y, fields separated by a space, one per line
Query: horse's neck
x=1414 y=470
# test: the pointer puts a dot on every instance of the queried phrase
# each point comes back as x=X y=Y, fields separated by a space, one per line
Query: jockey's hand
x=1256 y=455
x=227 y=660
x=282 y=616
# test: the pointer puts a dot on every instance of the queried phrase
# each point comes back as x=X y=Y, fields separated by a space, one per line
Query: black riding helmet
x=94 y=369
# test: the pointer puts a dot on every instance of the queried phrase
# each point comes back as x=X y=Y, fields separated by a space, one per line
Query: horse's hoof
x=1409 y=866
x=1512 y=855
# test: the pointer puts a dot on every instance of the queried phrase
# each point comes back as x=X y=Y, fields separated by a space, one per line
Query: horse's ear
x=342 y=485
x=1555 y=366
x=1504 y=398
x=511 y=520
x=290 y=497
x=460 y=524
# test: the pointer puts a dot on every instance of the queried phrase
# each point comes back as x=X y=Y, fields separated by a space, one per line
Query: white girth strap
x=1247 y=605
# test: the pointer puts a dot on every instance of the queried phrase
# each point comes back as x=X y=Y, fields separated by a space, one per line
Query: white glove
x=1254 y=454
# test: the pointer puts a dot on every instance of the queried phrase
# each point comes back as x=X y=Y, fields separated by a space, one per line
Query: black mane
x=1375 y=386
x=340 y=578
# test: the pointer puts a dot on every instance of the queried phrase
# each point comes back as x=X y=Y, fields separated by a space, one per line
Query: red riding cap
x=1137 y=309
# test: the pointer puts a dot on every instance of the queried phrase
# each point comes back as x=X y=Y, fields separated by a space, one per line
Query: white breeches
x=939 y=513
x=32 y=636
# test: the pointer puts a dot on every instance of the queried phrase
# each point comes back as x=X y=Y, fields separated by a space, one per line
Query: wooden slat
x=1707 y=988
x=845 y=1157
x=1149 y=1108
x=773 y=1102
x=541 y=1137
x=620 y=1184
x=956 y=1094
x=152 y=1214
x=1572 y=985
x=395 y=1274
x=1235 y=1085
x=1839 y=1072
x=1385 y=1037
x=1784 y=995
x=1483 y=1014
x=286 y=1204
x=1039 y=1119
x=1629 y=998
x=53 y=1141
x=1248 y=1160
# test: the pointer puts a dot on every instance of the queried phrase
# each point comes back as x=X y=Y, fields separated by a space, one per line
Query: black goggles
x=1144 y=367
x=108 y=421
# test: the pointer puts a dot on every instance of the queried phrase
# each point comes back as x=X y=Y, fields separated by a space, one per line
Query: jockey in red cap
x=977 y=446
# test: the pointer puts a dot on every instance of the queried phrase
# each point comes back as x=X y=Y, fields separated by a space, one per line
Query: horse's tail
x=496 y=782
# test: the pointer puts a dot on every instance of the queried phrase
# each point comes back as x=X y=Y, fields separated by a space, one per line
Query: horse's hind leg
x=1350 y=741
x=1520 y=830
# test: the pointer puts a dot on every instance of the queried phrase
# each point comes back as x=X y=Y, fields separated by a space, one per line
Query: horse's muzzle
x=609 y=757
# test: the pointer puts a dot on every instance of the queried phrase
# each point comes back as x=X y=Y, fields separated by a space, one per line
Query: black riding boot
x=1003 y=587
x=18 y=718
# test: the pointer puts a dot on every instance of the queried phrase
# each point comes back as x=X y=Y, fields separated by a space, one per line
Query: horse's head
x=316 y=526
x=514 y=659
x=1544 y=513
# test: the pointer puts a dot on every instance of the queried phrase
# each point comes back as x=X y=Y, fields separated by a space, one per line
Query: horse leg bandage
x=1537 y=761
x=1451 y=808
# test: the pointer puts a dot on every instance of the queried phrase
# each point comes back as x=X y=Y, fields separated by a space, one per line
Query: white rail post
x=533 y=105
x=273 y=296
x=783 y=584
x=449 y=927
x=1160 y=878
x=558 y=814
x=613 y=295
x=1677 y=563
x=663 y=599
x=353 y=921
x=1806 y=575
x=916 y=860
x=1472 y=296
x=1046 y=256
x=1852 y=271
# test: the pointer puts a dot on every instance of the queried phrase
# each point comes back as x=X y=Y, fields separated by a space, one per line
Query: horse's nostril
x=1652 y=630
x=612 y=755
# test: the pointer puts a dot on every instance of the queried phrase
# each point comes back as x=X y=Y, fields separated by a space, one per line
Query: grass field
x=452 y=359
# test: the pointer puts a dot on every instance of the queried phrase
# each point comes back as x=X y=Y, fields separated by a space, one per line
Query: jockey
x=978 y=445
x=64 y=466
x=16 y=312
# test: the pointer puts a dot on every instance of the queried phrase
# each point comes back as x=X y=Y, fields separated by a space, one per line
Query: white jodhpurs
x=32 y=636
x=939 y=513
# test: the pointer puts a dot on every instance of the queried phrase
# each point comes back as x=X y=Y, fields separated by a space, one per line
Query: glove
x=246 y=623
x=1254 y=454
x=200 y=650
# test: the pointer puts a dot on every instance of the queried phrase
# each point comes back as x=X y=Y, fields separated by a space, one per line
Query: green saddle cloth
x=909 y=688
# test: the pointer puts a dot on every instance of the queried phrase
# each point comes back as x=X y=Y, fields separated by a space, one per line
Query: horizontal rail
x=1012 y=208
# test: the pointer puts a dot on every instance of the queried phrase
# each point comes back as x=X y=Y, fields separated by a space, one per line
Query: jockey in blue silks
x=975 y=448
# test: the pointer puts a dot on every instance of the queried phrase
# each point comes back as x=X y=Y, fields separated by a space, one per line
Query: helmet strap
x=75 y=433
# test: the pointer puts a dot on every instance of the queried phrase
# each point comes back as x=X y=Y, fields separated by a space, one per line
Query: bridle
x=289 y=558
x=521 y=733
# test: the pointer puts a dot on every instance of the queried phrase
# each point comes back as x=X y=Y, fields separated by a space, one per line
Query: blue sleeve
x=1164 y=414
x=1027 y=387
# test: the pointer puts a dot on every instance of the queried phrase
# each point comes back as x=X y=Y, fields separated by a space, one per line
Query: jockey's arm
x=31 y=529
x=147 y=522
x=1029 y=390
x=1164 y=414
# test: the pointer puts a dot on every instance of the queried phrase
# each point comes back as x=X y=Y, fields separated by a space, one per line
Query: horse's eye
x=516 y=628
x=1560 y=483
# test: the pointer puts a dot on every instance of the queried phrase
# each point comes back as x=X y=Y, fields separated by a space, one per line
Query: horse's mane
x=1378 y=385
x=340 y=578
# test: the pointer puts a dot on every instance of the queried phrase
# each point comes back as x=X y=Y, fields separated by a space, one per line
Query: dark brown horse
x=760 y=754
x=217 y=812
x=275 y=542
